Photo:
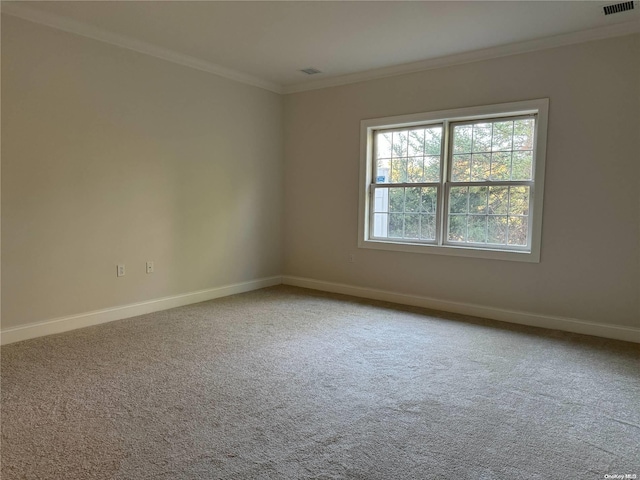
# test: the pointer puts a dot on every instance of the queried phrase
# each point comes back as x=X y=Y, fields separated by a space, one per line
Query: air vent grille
x=618 y=7
x=310 y=71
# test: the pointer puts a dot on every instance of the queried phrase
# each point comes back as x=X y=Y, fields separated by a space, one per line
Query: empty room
x=320 y=239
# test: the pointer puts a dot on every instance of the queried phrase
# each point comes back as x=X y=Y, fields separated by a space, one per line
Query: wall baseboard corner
x=87 y=319
x=64 y=324
x=616 y=332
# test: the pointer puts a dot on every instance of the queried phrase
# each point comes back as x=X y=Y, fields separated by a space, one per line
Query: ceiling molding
x=600 y=33
x=18 y=9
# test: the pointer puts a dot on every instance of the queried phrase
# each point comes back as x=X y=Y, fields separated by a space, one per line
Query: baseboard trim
x=617 y=332
x=72 y=322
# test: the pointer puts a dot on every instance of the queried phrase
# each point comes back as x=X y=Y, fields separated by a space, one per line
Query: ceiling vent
x=618 y=7
x=310 y=71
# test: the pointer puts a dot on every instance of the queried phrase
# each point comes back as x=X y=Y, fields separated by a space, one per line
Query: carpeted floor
x=286 y=383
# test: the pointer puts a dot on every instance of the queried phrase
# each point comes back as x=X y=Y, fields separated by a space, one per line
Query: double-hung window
x=463 y=182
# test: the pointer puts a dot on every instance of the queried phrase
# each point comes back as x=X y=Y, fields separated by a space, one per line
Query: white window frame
x=539 y=107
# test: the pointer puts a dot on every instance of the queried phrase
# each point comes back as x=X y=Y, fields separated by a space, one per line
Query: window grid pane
x=405 y=213
x=411 y=155
x=491 y=150
x=496 y=215
x=498 y=149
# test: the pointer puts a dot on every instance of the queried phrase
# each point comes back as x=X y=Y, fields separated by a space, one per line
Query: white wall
x=590 y=251
x=110 y=156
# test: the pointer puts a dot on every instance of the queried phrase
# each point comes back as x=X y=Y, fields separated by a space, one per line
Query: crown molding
x=18 y=9
x=619 y=29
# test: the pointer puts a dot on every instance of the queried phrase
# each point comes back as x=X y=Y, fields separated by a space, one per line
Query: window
x=463 y=182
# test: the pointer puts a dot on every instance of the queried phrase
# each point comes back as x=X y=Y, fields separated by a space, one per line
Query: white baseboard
x=617 y=332
x=72 y=322
x=59 y=325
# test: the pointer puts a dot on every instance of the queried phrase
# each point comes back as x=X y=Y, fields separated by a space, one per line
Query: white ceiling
x=270 y=41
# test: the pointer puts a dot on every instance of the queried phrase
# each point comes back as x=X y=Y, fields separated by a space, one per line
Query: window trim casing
x=527 y=107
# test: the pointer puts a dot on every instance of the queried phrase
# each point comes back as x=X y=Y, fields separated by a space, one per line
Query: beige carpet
x=286 y=383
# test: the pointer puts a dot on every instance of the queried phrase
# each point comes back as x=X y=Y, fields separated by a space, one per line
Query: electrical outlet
x=149 y=267
x=120 y=271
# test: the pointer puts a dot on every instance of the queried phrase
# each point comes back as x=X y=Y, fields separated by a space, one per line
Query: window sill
x=451 y=250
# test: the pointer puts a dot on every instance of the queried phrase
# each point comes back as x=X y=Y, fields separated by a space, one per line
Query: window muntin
x=473 y=187
x=493 y=215
x=407 y=183
x=490 y=182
